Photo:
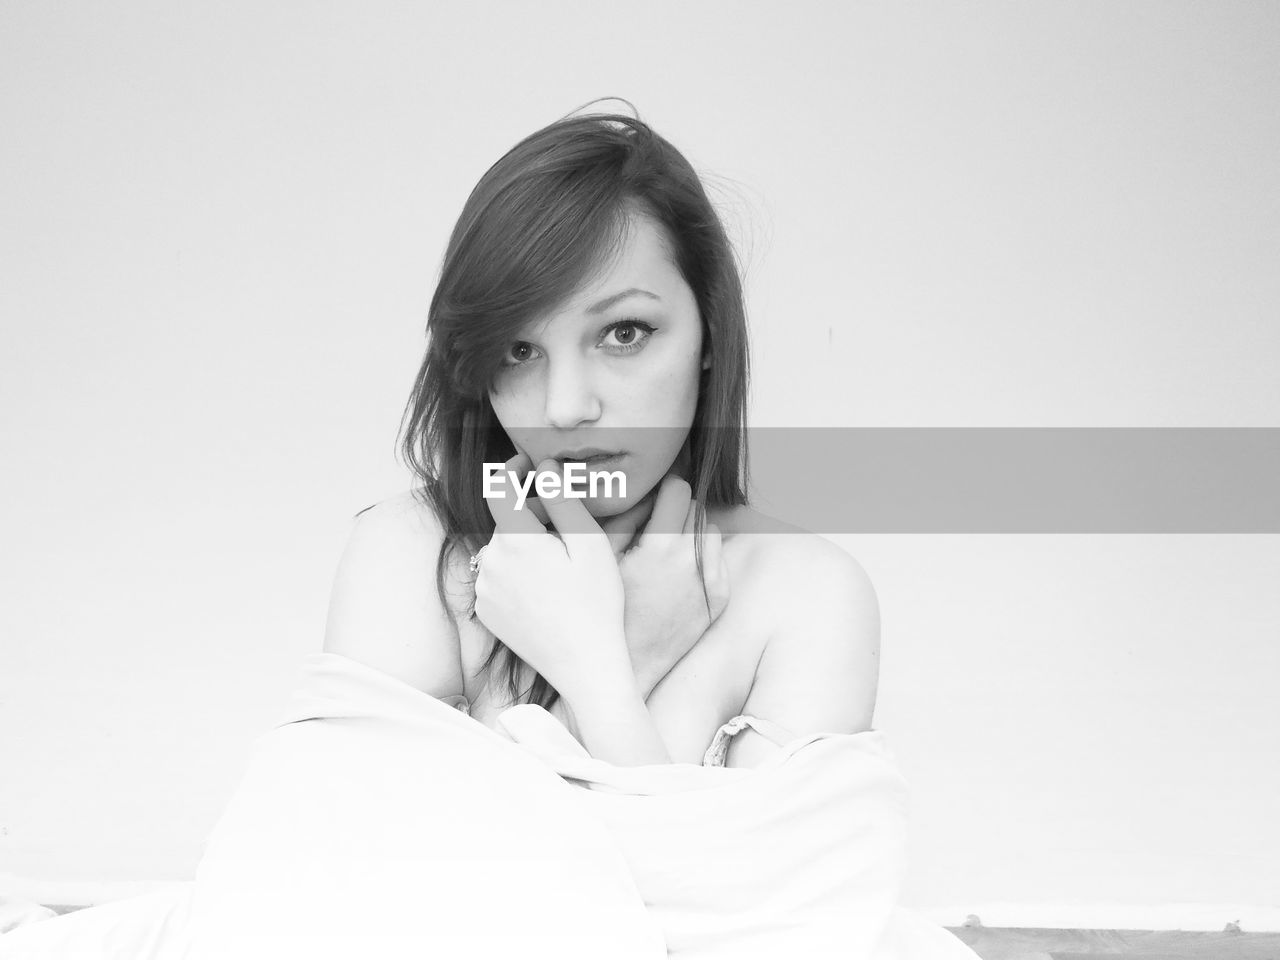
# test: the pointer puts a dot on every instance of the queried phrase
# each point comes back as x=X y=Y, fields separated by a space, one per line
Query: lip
x=586 y=455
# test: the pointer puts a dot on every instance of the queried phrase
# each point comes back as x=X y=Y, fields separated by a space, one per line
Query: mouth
x=591 y=457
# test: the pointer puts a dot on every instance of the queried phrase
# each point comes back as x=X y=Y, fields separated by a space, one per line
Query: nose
x=571 y=396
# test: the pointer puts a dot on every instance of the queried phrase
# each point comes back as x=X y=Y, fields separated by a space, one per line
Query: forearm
x=648 y=671
x=611 y=720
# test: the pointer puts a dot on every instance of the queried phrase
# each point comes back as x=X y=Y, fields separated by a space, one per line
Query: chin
x=603 y=508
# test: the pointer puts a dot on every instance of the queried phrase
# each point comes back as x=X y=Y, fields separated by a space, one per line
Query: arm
x=557 y=602
x=609 y=717
x=820 y=668
x=384 y=610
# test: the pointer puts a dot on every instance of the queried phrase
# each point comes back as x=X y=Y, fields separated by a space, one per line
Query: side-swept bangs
x=541 y=222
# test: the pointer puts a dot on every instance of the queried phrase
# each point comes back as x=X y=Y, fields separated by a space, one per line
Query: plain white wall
x=220 y=229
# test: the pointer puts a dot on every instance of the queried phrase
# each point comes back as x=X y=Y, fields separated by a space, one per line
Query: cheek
x=674 y=391
x=668 y=406
x=510 y=406
x=681 y=398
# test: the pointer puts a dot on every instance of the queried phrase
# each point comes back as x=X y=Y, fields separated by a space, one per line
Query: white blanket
x=376 y=821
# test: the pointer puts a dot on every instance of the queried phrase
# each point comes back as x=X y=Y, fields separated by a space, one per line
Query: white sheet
x=376 y=821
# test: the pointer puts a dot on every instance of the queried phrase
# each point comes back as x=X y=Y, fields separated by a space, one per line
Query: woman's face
x=615 y=368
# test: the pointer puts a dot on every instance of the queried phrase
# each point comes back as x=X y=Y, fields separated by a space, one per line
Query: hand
x=666 y=612
x=557 y=602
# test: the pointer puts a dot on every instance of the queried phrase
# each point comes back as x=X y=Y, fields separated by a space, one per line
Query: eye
x=630 y=335
x=519 y=353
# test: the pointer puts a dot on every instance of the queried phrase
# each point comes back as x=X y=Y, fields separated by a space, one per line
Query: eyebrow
x=608 y=302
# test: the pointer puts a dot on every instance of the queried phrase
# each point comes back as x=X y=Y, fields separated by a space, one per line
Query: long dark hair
x=534 y=227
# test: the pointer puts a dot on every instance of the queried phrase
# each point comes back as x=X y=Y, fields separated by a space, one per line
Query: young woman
x=589 y=310
x=648 y=642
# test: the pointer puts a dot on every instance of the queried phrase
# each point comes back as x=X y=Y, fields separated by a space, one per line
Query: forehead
x=643 y=258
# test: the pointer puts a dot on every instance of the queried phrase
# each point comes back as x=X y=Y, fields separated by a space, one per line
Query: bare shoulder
x=407 y=508
x=819 y=671
x=384 y=609
x=782 y=550
x=744 y=519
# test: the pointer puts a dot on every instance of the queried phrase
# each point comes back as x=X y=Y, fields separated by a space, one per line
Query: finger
x=569 y=515
x=539 y=510
x=503 y=508
x=670 y=508
x=532 y=502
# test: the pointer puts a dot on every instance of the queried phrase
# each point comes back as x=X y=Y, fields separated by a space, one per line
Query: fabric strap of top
x=716 y=753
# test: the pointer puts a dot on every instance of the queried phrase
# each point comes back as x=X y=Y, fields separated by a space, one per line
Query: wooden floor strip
x=1033 y=943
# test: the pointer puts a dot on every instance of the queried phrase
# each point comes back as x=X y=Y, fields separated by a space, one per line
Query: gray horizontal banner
x=1019 y=480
